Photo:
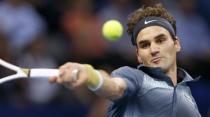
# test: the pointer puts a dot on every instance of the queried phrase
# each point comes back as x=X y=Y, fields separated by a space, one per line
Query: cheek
x=170 y=51
x=142 y=56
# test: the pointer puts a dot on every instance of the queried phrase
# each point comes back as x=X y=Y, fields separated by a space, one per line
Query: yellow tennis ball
x=112 y=30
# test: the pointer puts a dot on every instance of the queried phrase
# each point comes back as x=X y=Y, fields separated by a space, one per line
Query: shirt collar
x=158 y=73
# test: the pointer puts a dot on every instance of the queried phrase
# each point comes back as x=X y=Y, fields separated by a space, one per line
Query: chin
x=160 y=66
x=156 y=65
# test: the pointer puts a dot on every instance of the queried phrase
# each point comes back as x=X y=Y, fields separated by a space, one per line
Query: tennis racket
x=26 y=72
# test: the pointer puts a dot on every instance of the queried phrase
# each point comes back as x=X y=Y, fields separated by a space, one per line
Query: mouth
x=156 y=60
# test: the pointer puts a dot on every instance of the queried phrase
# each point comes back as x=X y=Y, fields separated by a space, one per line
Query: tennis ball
x=112 y=30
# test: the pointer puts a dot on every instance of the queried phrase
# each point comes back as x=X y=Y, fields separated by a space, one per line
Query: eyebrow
x=160 y=35
x=156 y=37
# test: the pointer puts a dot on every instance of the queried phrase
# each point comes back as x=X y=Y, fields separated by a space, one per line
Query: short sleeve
x=133 y=79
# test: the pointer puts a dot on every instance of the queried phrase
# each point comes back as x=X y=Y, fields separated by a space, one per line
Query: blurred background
x=48 y=33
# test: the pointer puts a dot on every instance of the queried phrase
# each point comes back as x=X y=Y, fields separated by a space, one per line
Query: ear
x=138 y=57
x=177 y=44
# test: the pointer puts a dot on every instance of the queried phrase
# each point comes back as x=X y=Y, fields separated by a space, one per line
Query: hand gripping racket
x=27 y=73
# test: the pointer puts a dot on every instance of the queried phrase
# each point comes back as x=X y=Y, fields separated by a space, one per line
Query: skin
x=112 y=88
x=155 y=48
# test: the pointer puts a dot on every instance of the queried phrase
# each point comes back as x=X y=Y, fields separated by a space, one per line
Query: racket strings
x=6 y=72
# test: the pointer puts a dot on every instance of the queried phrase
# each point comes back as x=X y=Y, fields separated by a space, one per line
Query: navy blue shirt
x=151 y=93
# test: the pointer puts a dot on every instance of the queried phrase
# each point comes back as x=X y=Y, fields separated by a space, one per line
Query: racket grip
x=43 y=73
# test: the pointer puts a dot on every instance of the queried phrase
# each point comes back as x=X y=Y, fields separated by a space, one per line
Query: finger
x=61 y=70
x=66 y=65
x=65 y=70
x=74 y=74
x=61 y=73
x=62 y=67
x=52 y=79
x=71 y=79
x=70 y=74
x=67 y=75
x=59 y=80
x=81 y=80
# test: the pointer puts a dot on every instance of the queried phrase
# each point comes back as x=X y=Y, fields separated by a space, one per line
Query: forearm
x=111 y=88
x=73 y=75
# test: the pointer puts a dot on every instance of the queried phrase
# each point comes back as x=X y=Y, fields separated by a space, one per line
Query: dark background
x=49 y=33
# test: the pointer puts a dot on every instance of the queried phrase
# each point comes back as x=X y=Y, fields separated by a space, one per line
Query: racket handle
x=43 y=73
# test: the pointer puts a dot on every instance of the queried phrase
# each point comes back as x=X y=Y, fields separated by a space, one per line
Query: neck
x=172 y=73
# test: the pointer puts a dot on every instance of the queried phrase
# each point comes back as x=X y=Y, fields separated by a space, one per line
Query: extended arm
x=73 y=75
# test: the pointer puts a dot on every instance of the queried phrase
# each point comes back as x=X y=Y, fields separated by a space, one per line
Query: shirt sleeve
x=133 y=79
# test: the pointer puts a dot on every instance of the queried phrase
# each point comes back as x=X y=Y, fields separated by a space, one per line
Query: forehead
x=151 y=32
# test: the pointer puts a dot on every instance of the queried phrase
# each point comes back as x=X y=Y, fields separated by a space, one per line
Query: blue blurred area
x=49 y=33
x=200 y=91
x=43 y=111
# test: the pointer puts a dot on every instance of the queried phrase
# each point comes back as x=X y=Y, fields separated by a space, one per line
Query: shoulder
x=129 y=73
x=126 y=71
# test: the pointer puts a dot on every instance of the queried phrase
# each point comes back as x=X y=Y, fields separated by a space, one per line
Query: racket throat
x=26 y=71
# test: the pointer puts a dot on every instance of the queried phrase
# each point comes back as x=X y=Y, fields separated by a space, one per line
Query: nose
x=154 y=49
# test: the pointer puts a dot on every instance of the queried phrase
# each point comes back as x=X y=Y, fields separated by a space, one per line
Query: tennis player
x=157 y=87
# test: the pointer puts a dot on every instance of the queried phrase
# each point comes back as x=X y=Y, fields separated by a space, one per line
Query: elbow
x=119 y=93
x=119 y=90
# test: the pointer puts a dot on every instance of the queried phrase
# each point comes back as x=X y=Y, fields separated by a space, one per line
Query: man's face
x=156 y=48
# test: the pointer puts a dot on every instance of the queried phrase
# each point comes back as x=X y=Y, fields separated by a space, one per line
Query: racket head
x=20 y=73
x=9 y=65
x=27 y=73
x=9 y=78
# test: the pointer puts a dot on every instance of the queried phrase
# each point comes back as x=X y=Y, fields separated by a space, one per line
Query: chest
x=158 y=95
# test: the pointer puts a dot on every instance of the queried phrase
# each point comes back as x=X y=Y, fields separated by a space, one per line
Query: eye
x=160 y=40
x=144 y=45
